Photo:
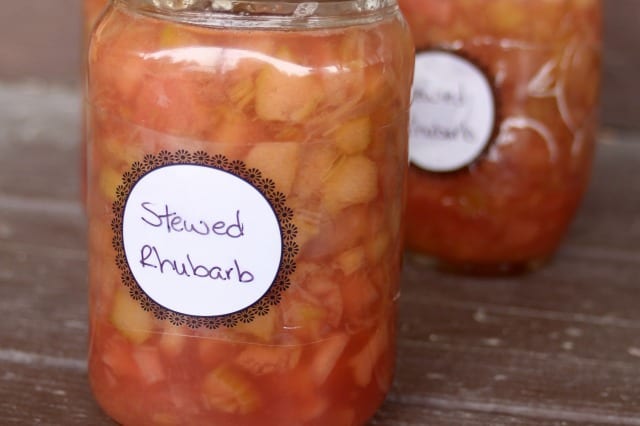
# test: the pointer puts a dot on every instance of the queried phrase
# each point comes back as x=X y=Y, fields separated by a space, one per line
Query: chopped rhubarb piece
x=262 y=328
x=326 y=357
x=283 y=95
x=227 y=391
x=149 y=364
x=172 y=341
x=363 y=362
x=260 y=359
x=277 y=161
x=352 y=260
x=354 y=180
x=130 y=319
x=354 y=136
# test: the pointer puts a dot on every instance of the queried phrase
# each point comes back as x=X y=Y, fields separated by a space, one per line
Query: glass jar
x=247 y=161
x=503 y=126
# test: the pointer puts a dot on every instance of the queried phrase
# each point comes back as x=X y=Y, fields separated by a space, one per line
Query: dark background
x=42 y=39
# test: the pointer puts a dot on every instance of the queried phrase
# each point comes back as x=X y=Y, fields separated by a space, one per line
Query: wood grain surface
x=560 y=346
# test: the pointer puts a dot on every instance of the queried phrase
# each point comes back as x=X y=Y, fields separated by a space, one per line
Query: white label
x=201 y=241
x=453 y=112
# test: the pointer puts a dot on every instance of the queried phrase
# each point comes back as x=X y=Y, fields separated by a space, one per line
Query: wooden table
x=557 y=347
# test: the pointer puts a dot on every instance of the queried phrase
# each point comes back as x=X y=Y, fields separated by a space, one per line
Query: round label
x=452 y=114
x=200 y=241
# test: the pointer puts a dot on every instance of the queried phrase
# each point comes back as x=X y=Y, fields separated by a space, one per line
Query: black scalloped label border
x=238 y=168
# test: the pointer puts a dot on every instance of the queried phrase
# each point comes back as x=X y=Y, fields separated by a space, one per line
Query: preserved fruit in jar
x=502 y=127
x=247 y=166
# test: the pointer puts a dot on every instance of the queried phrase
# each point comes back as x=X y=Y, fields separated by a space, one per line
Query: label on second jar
x=200 y=239
x=453 y=112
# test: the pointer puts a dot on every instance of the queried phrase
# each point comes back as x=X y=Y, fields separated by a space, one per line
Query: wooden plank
x=572 y=288
x=42 y=225
x=27 y=172
x=442 y=413
x=610 y=214
x=44 y=298
x=39 y=139
x=522 y=331
x=538 y=386
x=46 y=391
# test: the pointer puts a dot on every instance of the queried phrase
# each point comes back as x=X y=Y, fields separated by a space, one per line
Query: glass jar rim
x=266 y=14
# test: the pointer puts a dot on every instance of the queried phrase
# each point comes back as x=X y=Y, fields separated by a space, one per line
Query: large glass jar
x=247 y=161
x=503 y=126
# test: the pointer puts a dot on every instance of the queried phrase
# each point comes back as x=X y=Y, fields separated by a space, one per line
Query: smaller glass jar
x=503 y=127
x=247 y=166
